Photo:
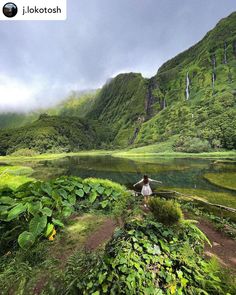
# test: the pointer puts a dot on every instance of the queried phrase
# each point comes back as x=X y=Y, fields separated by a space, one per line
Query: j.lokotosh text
x=35 y=9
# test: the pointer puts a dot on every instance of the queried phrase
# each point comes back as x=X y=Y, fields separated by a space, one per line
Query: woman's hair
x=145 y=179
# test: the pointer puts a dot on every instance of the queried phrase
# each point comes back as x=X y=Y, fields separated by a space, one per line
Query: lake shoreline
x=231 y=155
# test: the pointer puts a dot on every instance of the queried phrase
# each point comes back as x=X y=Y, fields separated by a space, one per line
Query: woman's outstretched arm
x=153 y=180
x=138 y=182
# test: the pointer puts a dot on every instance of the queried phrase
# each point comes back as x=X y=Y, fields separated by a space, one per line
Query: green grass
x=53 y=156
x=14 y=176
x=151 y=151
x=221 y=198
x=155 y=150
x=225 y=180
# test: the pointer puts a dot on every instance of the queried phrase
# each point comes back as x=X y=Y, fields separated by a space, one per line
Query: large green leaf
x=56 y=197
x=46 y=211
x=79 y=193
x=26 y=240
x=49 y=229
x=63 y=193
x=58 y=222
x=72 y=199
x=16 y=211
x=46 y=187
x=46 y=201
x=86 y=189
x=7 y=201
x=115 y=195
x=100 y=190
x=104 y=204
x=70 y=188
x=35 y=207
x=92 y=197
x=37 y=224
x=80 y=185
x=108 y=191
x=4 y=211
x=67 y=211
x=28 y=199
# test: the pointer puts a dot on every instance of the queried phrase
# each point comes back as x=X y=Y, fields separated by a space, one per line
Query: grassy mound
x=225 y=180
x=166 y=212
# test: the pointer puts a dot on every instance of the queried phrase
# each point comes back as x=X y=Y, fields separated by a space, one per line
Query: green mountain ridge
x=190 y=101
x=49 y=133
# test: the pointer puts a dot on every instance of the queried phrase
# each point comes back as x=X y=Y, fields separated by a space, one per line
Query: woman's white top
x=146 y=189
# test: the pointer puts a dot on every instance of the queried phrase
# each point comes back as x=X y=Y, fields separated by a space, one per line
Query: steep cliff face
x=198 y=87
x=120 y=106
x=192 y=96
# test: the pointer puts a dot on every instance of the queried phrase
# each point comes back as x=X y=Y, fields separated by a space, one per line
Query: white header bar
x=32 y=10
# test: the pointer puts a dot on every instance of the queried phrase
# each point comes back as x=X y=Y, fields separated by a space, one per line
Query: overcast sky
x=41 y=62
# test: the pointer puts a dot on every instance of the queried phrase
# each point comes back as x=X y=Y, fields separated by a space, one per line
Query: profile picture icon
x=9 y=9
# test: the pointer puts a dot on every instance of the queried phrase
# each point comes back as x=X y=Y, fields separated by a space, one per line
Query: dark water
x=181 y=173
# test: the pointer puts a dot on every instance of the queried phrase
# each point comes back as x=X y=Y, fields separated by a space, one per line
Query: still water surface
x=173 y=172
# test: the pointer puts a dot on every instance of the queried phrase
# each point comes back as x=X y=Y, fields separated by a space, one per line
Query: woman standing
x=146 y=189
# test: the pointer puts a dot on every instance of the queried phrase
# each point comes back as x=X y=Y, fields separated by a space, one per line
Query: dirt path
x=101 y=235
x=222 y=246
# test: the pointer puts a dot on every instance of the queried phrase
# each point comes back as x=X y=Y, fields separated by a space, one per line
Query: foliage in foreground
x=35 y=209
x=147 y=257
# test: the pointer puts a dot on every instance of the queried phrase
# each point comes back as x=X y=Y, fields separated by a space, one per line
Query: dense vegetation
x=120 y=108
x=49 y=133
x=208 y=115
x=132 y=111
x=35 y=208
x=143 y=257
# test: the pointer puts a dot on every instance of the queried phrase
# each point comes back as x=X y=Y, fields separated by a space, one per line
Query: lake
x=173 y=172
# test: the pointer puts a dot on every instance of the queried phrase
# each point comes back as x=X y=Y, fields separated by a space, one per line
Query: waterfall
x=234 y=48
x=213 y=80
x=214 y=71
x=213 y=62
x=164 y=104
x=225 y=53
x=187 y=87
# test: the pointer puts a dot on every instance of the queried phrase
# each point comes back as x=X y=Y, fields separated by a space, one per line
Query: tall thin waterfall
x=213 y=80
x=164 y=103
x=214 y=71
x=187 y=86
x=225 y=53
x=234 y=48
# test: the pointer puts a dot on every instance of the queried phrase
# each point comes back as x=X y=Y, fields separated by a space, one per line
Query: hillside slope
x=77 y=104
x=49 y=134
x=190 y=103
x=120 y=107
x=194 y=94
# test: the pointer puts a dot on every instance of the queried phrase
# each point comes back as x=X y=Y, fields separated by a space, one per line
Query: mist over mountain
x=190 y=102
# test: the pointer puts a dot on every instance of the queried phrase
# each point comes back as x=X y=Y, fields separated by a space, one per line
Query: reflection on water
x=179 y=172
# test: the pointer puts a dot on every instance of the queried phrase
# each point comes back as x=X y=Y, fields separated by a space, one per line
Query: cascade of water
x=213 y=80
x=187 y=86
x=225 y=53
x=234 y=48
x=214 y=71
x=164 y=103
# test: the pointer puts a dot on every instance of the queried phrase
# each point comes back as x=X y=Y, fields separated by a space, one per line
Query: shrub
x=166 y=212
x=25 y=152
x=191 y=145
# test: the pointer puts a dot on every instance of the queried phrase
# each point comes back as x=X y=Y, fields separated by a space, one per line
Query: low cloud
x=41 y=62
